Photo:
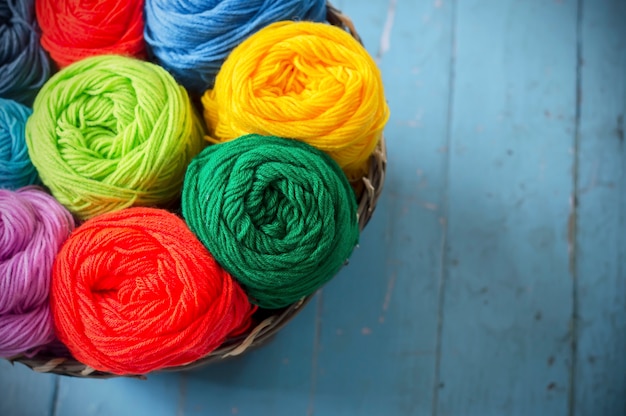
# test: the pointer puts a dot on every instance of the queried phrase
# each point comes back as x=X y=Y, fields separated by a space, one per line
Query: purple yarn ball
x=33 y=227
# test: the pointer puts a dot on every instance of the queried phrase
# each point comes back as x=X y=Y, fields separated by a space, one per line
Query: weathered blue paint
x=600 y=366
x=505 y=345
x=492 y=279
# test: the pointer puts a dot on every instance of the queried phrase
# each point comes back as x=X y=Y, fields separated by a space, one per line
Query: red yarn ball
x=134 y=291
x=75 y=29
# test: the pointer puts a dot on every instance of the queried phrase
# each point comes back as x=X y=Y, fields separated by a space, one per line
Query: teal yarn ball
x=277 y=214
x=16 y=168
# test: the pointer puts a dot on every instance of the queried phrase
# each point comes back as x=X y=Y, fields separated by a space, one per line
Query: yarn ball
x=16 y=169
x=110 y=132
x=191 y=39
x=307 y=81
x=278 y=214
x=76 y=29
x=33 y=226
x=134 y=291
x=24 y=65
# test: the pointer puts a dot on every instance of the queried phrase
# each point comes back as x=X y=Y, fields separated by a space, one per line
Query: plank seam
x=573 y=219
x=182 y=395
x=316 y=350
x=443 y=277
x=55 y=397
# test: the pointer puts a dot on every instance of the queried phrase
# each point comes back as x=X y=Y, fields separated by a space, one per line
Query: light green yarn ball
x=110 y=132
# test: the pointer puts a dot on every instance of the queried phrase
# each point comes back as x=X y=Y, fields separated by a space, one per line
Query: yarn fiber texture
x=278 y=214
x=33 y=226
x=110 y=132
x=24 y=65
x=134 y=291
x=191 y=39
x=307 y=81
x=76 y=29
x=16 y=169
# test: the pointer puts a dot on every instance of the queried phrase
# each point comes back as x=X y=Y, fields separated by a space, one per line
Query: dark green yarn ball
x=277 y=214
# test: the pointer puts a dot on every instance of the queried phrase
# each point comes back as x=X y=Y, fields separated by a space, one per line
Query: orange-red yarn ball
x=72 y=30
x=134 y=291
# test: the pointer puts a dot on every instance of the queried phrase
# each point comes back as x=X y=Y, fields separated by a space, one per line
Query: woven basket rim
x=370 y=188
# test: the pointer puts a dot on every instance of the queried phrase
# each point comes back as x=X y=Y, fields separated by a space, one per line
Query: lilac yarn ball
x=33 y=226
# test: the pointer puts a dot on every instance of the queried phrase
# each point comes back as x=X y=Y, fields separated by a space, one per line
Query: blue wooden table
x=492 y=279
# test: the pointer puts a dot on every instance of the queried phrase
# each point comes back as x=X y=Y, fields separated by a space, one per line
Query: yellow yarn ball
x=307 y=81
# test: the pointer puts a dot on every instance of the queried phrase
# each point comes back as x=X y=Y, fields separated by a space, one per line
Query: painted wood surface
x=507 y=303
x=492 y=278
x=600 y=363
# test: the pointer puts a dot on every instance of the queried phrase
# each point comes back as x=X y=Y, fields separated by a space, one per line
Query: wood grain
x=492 y=277
x=600 y=375
x=505 y=347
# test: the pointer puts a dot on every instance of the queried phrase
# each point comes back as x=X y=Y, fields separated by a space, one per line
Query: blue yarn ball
x=16 y=169
x=24 y=65
x=192 y=38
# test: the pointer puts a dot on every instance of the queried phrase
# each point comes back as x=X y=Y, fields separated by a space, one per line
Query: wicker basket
x=368 y=188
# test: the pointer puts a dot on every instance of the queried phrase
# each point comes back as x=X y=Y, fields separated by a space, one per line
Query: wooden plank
x=272 y=380
x=377 y=319
x=24 y=392
x=506 y=325
x=601 y=262
x=159 y=395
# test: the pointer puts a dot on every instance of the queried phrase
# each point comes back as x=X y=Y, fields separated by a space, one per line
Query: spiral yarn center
x=307 y=77
x=300 y=71
x=119 y=285
x=100 y=127
x=281 y=211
